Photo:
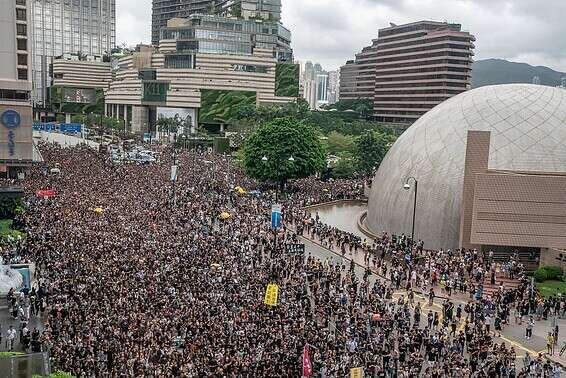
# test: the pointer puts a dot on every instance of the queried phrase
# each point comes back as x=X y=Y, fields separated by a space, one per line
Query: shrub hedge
x=545 y=273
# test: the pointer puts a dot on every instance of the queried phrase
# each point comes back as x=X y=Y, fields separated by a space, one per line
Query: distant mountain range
x=499 y=71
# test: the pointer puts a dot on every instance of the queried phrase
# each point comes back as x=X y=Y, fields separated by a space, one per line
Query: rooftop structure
x=165 y=10
x=223 y=35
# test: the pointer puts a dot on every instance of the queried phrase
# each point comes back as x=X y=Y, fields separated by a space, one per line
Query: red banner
x=45 y=193
x=307 y=365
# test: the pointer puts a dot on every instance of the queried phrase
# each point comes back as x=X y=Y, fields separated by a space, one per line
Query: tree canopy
x=278 y=140
x=370 y=150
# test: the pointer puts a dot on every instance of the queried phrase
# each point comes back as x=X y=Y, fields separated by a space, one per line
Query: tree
x=345 y=167
x=370 y=150
x=278 y=140
x=169 y=124
x=338 y=143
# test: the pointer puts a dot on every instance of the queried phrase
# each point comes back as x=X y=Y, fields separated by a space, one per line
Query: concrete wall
x=553 y=256
x=477 y=159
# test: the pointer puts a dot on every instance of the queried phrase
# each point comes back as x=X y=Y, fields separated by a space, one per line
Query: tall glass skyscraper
x=164 y=10
x=87 y=27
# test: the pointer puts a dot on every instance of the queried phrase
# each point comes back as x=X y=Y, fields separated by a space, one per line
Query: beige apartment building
x=411 y=68
x=71 y=71
x=16 y=144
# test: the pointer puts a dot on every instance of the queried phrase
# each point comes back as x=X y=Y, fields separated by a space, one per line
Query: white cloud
x=332 y=31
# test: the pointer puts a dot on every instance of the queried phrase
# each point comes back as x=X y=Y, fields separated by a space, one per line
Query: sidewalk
x=512 y=334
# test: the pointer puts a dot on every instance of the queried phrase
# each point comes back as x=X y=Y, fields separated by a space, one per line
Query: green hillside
x=499 y=71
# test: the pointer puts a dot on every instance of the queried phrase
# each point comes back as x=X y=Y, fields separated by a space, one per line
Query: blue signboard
x=11 y=119
x=276 y=217
x=70 y=127
x=63 y=127
x=44 y=126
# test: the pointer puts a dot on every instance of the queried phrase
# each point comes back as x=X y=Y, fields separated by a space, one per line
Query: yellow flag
x=356 y=372
x=271 y=294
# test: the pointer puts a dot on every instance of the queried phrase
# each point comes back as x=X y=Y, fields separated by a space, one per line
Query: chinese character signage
x=155 y=91
x=11 y=120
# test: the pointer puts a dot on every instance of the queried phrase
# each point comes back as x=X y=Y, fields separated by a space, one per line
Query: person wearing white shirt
x=10 y=337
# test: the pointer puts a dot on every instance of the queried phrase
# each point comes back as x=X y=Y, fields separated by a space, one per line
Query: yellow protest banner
x=271 y=294
x=356 y=372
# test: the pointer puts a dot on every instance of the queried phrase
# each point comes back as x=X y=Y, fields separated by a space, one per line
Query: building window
x=249 y=68
x=187 y=45
x=21 y=14
x=21 y=2
x=179 y=61
x=21 y=29
x=22 y=74
x=147 y=75
x=22 y=60
x=22 y=44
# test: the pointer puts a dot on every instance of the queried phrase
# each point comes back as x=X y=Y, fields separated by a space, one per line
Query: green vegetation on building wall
x=221 y=106
x=77 y=100
x=287 y=80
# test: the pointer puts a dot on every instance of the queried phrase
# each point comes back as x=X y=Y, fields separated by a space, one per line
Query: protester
x=132 y=283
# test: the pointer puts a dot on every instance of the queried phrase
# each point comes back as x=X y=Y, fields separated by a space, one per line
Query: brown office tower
x=359 y=75
x=418 y=66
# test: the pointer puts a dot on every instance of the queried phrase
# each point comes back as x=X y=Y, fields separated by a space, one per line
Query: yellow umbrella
x=240 y=190
x=224 y=215
x=98 y=210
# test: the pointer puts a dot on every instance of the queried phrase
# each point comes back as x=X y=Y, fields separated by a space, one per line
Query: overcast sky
x=332 y=31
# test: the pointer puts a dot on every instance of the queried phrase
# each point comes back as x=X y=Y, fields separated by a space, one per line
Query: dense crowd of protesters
x=132 y=283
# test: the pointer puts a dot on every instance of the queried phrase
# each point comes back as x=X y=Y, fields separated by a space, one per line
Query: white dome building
x=528 y=133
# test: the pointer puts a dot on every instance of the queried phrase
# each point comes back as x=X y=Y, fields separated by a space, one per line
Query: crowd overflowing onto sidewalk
x=132 y=285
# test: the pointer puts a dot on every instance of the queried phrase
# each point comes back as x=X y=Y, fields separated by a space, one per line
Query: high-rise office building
x=418 y=66
x=315 y=85
x=333 y=86
x=16 y=146
x=60 y=27
x=348 y=76
x=164 y=10
x=409 y=69
x=362 y=73
x=321 y=89
x=226 y=35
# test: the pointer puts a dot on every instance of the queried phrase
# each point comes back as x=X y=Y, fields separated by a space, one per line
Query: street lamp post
x=407 y=186
x=264 y=159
